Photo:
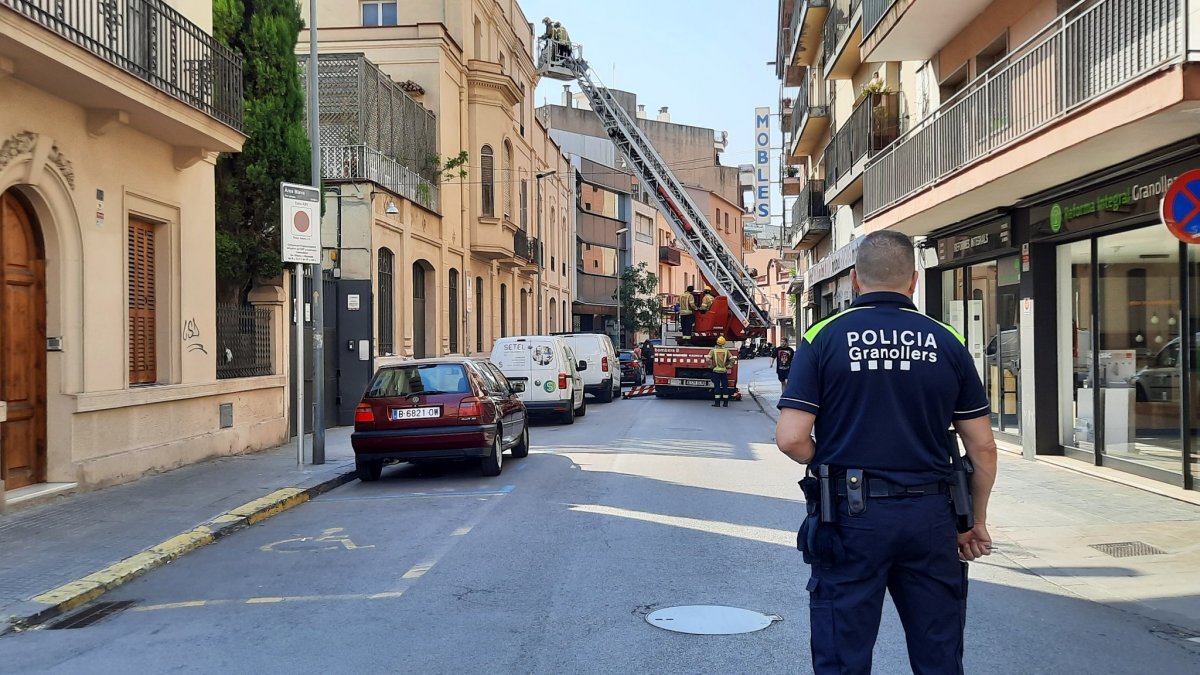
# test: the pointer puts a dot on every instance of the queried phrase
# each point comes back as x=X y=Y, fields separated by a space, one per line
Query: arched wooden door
x=22 y=346
x=418 y=311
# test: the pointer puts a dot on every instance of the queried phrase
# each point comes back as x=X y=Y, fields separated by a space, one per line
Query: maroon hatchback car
x=447 y=408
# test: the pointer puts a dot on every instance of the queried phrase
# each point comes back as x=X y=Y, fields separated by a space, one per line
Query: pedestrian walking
x=720 y=361
x=881 y=384
x=781 y=358
x=687 y=312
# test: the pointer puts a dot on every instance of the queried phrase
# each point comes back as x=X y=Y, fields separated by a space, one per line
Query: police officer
x=720 y=361
x=881 y=384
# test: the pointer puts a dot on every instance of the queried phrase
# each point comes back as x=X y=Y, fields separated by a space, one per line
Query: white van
x=549 y=370
x=602 y=378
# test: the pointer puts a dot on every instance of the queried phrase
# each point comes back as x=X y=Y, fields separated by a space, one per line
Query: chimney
x=663 y=115
x=641 y=111
x=566 y=97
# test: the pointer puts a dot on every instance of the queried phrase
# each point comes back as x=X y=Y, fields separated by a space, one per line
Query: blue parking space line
x=418 y=495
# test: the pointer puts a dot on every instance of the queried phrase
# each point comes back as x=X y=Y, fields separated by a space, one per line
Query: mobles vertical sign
x=762 y=166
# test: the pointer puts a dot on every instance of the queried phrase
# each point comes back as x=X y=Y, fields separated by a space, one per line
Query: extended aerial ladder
x=747 y=314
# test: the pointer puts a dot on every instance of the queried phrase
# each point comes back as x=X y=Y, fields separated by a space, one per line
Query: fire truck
x=739 y=311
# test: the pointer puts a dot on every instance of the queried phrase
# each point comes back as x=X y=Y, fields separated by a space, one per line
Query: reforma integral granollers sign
x=762 y=166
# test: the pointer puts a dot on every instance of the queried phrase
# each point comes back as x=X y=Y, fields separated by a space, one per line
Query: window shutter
x=142 y=295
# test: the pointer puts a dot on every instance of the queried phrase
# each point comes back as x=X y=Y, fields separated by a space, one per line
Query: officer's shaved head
x=885 y=261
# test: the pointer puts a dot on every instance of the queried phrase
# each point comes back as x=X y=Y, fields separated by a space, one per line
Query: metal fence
x=244 y=341
x=1082 y=56
x=359 y=162
x=152 y=41
x=361 y=105
x=794 y=28
x=873 y=124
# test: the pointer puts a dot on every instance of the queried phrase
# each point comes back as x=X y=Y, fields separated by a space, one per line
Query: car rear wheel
x=569 y=416
x=607 y=395
x=493 y=464
x=582 y=409
x=521 y=449
x=368 y=469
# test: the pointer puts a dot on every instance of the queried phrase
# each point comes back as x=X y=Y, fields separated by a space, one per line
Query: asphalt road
x=551 y=568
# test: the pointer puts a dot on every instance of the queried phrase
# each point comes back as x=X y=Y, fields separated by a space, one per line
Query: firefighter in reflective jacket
x=707 y=303
x=721 y=361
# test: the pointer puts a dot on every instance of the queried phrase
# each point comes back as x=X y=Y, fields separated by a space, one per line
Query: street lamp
x=541 y=246
x=620 y=283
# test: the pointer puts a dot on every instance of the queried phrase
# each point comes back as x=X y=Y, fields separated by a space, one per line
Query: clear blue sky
x=705 y=59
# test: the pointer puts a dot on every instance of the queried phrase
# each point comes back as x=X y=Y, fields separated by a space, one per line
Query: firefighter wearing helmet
x=720 y=362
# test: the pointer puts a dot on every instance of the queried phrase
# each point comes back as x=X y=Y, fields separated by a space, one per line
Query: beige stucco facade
x=85 y=149
x=472 y=66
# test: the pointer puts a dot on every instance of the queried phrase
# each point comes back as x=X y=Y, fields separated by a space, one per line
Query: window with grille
x=453 y=304
x=506 y=178
x=479 y=314
x=387 y=310
x=525 y=204
x=143 y=301
x=378 y=14
x=487 y=176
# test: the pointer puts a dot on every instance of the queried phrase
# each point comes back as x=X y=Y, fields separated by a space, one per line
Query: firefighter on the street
x=720 y=361
x=687 y=312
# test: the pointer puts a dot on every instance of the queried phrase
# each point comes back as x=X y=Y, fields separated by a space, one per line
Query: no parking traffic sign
x=1180 y=208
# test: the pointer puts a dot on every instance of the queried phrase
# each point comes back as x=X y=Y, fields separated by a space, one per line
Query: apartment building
x=1037 y=141
x=488 y=259
x=113 y=361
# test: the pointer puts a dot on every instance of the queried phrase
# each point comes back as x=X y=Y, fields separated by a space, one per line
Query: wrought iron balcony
x=153 y=42
x=669 y=255
x=358 y=162
x=523 y=245
x=838 y=24
x=1070 y=64
x=872 y=126
x=873 y=13
x=810 y=119
x=805 y=14
x=810 y=216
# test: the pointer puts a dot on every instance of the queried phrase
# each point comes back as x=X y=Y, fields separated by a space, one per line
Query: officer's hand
x=975 y=544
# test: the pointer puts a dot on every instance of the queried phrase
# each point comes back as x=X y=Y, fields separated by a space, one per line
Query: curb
x=67 y=597
x=762 y=406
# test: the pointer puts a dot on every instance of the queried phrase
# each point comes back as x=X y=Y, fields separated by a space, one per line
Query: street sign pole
x=314 y=135
x=300 y=241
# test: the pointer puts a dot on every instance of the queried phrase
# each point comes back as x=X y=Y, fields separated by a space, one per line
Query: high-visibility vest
x=706 y=303
x=721 y=359
x=687 y=304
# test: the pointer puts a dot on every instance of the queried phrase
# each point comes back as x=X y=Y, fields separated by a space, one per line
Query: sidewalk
x=59 y=555
x=1047 y=518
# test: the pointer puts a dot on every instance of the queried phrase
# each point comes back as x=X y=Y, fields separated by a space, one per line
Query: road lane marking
x=462 y=531
x=263 y=601
x=390 y=595
x=507 y=489
x=419 y=570
x=330 y=539
x=749 y=532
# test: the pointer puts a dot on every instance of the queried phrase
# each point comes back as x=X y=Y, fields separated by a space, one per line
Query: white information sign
x=762 y=165
x=300 y=229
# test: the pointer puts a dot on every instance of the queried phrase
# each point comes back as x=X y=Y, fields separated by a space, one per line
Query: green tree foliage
x=264 y=33
x=638 y=295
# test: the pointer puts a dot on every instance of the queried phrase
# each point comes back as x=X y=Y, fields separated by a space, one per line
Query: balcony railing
x=872 y=126
x=358 y=162
x=152 y=41
x=798 y=12
x=669 y=255
x=805 y=109
x=837 y=24
x=527 y=248
x=1069 y=64
x=873 y=13
x=810 y=216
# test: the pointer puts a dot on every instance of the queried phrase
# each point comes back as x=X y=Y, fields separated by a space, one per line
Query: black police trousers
x=908 y=547
x=689 y=323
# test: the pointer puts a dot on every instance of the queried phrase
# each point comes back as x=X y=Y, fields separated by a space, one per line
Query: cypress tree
x=264 y=33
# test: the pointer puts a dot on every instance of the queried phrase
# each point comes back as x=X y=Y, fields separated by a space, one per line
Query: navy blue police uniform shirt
x=885 y=382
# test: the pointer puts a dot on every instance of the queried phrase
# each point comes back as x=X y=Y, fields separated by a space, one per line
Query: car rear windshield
x=627 y=356
x=431 y=378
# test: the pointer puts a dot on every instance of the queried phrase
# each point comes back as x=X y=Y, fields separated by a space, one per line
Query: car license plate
x=422 y=413
x=680 y=382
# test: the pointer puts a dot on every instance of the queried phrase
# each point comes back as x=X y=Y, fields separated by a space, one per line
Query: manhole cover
x=1127 y=549
x=710 y=620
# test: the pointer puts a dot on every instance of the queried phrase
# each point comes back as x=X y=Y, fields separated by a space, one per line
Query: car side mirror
x=582 y=365
x=517 y=387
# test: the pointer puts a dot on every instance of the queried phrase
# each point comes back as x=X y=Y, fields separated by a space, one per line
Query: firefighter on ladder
x=720 y=361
